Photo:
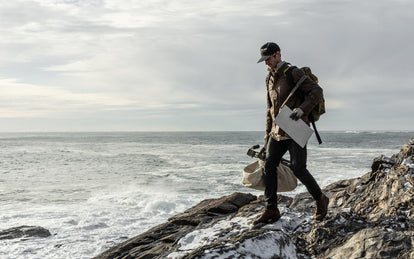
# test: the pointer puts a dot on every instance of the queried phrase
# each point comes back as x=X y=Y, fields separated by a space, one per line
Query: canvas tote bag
x=253 y=177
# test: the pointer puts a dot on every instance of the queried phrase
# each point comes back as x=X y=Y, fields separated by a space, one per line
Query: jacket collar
x=280 y=67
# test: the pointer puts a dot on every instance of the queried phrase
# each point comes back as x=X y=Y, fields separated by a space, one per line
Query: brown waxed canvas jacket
x=306 y=96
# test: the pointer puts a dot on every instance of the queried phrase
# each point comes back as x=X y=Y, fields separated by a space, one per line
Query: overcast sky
x=167 y=65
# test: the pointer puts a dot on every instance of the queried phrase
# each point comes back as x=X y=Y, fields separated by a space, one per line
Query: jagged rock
x=374 y=243
x=378 y=204
x=210 y=208
x=387 y=191
x=24 y=231
x=272 y=244
x=157 y=241
x=382 y=162
x=371 y=216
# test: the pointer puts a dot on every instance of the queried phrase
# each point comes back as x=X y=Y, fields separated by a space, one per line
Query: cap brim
x=263 y=58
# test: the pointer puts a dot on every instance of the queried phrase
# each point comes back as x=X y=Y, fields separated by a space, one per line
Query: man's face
x=272 y=61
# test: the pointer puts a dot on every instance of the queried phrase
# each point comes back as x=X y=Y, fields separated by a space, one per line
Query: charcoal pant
x=298 y=155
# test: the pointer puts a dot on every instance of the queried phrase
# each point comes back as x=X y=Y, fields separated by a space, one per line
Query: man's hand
x=262 y=153
x=297 y=113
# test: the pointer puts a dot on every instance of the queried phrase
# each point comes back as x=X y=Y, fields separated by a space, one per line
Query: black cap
x=267 y=50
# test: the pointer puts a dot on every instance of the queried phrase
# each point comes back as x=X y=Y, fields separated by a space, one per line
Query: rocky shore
x=369 y=217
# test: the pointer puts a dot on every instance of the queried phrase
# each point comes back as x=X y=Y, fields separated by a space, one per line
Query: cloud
x=144 y=60
x=26 y=100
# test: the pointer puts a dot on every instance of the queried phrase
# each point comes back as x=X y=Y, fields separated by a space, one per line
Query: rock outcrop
x=369 y=217
x=24 y=232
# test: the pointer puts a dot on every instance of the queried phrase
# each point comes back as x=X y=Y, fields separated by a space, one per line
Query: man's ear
x=278 y=54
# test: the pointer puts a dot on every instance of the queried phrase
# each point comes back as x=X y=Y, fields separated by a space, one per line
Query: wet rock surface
x=24 y=232
x=369 y=217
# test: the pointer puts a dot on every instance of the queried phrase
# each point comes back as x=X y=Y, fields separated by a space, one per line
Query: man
x=277 y=142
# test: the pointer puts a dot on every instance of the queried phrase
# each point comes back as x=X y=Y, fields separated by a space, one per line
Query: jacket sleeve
x=312 y=92
x=269 y=119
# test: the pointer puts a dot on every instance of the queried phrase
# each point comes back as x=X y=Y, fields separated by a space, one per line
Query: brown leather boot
x=321 y=207
x=268 y=216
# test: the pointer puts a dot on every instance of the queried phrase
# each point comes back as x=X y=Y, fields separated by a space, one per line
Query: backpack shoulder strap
x=298 y=83
x=288 y=74
x=318 y=137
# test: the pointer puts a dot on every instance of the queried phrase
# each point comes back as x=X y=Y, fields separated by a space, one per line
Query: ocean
x=95 y=190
